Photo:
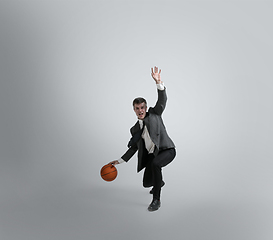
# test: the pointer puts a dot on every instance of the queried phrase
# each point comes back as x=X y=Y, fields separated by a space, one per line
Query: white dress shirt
x=150 y=146
x=145 y=134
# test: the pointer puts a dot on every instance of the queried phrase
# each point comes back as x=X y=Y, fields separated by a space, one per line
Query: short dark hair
x=139 y=100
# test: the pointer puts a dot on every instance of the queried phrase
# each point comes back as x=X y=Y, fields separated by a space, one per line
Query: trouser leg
x=148 y=179
x=161 y=160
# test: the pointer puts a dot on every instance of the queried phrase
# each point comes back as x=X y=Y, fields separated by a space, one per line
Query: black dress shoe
x=155 y=205
x=152 y=190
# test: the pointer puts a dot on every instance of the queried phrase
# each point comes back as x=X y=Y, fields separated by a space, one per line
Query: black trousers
x=153 y=172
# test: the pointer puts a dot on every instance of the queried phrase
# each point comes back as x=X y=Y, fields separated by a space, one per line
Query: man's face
x=140 y=110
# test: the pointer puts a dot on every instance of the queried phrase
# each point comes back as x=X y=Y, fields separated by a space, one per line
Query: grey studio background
x=69 y=72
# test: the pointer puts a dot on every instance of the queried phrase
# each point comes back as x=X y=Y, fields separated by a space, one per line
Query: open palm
x=156 y=75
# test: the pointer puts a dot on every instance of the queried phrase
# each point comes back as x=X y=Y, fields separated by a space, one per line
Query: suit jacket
x=157 y=132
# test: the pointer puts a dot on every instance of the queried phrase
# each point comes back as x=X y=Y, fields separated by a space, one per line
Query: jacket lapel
x=136 y=127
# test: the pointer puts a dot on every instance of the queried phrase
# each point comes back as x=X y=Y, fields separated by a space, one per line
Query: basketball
x=108 y=172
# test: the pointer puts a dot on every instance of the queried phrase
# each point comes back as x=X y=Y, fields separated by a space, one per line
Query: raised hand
x=156 y=75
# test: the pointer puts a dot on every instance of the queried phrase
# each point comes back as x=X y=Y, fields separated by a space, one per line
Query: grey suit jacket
x=157 y=132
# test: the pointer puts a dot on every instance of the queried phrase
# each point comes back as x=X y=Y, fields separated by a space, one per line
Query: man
x=150 y=139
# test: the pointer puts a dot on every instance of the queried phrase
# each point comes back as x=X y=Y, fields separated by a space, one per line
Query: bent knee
x=156 y=164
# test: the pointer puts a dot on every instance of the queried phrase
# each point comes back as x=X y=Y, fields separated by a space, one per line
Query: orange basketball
x=108 y=172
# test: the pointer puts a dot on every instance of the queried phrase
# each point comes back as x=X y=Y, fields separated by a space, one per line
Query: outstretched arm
x=126 y=156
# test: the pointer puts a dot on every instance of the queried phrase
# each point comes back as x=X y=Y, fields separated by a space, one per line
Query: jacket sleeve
x=161 y=102
x=129 y=153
